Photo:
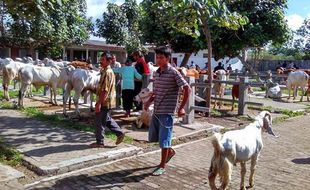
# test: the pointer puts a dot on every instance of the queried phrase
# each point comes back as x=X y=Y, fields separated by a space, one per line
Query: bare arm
x=186 y=92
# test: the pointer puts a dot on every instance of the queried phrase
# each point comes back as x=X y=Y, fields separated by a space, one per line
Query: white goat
x=297 y=79
x=146 y=115
x=238 y=146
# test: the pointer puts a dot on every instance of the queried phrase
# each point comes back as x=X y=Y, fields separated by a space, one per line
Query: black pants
x=103 y=119
x=138 y=87
x=127 y=96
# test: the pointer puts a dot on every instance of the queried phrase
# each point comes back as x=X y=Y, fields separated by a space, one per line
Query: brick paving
x=284 y=165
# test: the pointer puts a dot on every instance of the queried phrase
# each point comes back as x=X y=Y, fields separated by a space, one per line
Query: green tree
x=158 y=28
x=120 y=25
x=46 y=23
x=297 y=46
x=206 y=15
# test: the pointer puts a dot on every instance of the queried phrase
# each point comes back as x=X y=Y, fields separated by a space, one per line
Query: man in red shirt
x=143 y=69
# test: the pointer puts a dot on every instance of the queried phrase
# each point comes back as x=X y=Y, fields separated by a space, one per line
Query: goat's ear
x=269 y=116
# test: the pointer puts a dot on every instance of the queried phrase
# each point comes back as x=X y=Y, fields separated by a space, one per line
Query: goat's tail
x=216 y=144
x=220 y=164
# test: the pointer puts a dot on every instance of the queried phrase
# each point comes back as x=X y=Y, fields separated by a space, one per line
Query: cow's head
x=143 y=96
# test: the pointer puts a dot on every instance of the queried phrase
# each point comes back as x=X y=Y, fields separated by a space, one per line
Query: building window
x=205 y=55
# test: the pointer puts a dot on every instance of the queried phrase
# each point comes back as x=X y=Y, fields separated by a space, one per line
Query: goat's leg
x=253 y=168
x=212 y=174
x=243 y=171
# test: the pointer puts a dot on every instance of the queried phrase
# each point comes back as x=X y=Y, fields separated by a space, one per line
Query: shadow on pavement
x=301 y=160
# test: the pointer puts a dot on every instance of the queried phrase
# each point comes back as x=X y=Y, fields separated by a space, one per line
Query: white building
x=201 y=57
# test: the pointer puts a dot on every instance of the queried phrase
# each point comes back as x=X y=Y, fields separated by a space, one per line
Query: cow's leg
x=51 y=95
x=91 y=101
x=233 y=103
x=6 y=91
x=21 y=94
x=303 y=90
x=295 y=92
x=253 y=168
x=55 y=94
x=289 y=91
x=65 y=98
x=76 y=102
x=243 y=171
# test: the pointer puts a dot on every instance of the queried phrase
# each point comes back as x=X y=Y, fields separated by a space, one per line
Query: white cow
x=10 y=72
x=41 y=76
x=219 y=88
x=297 y=79
x=81 y=81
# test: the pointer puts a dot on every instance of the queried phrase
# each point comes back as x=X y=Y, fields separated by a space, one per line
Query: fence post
x=145 y=80
x=201 y=90
x=189 y=113
x=242 y=95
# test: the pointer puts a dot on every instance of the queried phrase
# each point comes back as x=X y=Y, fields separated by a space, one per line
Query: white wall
x=201 y=57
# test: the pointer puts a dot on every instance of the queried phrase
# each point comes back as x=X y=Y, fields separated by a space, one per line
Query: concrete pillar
x=242 y=95
x=190 y=113
x=86 y=54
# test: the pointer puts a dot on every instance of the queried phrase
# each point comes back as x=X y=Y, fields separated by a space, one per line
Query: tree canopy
x=297 y=46
x=44 y=23
x=120 y=25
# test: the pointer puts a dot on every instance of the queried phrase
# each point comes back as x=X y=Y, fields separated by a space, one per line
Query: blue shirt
x=129 y=73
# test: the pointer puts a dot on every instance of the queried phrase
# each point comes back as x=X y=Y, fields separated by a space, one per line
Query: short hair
x=107 y=55
x=137 y=53
x=163 y=50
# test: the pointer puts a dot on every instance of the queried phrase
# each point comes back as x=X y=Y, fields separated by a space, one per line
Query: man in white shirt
x=114 y=63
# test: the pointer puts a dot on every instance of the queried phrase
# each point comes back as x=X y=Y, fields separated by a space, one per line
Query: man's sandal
x=159 y=171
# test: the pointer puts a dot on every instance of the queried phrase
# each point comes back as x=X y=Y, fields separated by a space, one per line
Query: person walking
x=105 y=102
x=167 y=82
x=142 y=68
x=128 y=73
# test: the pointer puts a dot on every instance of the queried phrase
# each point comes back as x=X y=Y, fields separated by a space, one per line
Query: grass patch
x=216 y=113
x=60 y=121
x=6 y=105
x=290 y=113
x=9 y=155
x=12 y=93
x=280 y=119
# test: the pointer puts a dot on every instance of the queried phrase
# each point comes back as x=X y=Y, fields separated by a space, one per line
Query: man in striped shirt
x=167 y=82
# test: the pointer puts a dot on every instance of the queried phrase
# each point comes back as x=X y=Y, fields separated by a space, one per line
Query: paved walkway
x=51 y=150
x=284 y=165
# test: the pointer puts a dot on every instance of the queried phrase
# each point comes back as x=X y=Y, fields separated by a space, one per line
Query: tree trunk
x=210 y=76
x=185 y=59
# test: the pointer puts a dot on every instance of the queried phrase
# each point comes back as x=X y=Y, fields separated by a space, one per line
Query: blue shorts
x=160 y=130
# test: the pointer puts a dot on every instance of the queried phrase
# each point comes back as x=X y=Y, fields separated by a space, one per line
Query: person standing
x=128 y=73
x=218 y=67
x=114 y=63
x=143 y=69
x=105 y=102
x=167 y=82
